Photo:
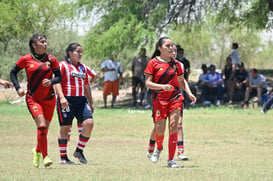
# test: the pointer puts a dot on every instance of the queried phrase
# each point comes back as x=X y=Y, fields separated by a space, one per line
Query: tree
x=126 y=24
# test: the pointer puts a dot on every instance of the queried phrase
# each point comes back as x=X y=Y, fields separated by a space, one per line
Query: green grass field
x=222 y=143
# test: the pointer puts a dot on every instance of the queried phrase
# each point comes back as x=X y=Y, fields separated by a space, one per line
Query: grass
x=222 y=143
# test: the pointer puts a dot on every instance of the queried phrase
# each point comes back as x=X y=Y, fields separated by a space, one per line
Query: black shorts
x=254 y=92
x=138 y=81
x=78 y=108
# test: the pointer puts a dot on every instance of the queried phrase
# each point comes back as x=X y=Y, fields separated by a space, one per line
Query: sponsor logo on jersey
x=78 y=74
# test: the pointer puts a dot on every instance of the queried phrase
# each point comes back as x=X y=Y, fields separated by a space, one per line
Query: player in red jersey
x=74 y=93
x=93 y=76
x=164 y=76
x=40 y=97
x=180 y=139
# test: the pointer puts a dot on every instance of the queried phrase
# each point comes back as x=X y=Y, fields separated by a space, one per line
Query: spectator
x=228 y=80
x=213 y=85
x=112 y=74
x=257 y=87
x=202 y=77
x=240 y=82
x=234 y=55
x=181 y=58
x=6 y=83
x=139 y=64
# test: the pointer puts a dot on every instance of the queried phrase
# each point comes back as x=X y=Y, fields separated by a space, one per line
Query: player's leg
x=84 y=115
x=151 y=146
x=173 y=122
x=65 y=121
x=180 y=140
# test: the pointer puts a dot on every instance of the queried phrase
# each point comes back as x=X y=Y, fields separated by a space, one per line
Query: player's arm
x=88 y=95
x=154 y=86
x=59 y=91
x=13 y=76
x=186 y=87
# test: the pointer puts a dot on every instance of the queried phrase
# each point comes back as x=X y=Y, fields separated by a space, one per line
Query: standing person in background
x=112 y=76
x=93 y=74
x=6 y=83
x=74 y=94
x=40 y=97
x=181 y=58
x=139 y=64
x=164 y=76
x=235 y=57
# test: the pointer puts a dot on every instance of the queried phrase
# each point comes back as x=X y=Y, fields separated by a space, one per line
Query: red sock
x=172 y=145
x=82 y=142
x=180 y=147
x=159 y=141
x=80 y=128
x=63 y=147
x=42 y=140
x=151 y=146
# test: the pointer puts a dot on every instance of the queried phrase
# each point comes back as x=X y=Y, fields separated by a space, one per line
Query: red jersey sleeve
x=21 y=62
x=54 y=62
x=150 y=67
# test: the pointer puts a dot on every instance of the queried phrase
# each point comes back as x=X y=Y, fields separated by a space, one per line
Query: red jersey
x=165 y=73
x=90 y=71
x=74 y=78
x=37 y=71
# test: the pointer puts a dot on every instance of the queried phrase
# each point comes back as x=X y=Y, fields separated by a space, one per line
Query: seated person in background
x=202 y=77
x=213 y=85
x=240 y=81
x=257 y=87
x=228 y=80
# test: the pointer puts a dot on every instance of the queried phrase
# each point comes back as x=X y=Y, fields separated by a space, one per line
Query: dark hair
x=34 y=39
x=159 y=43
x=71 y=47
x=235 y=45
x=203 y=66
x=142 y=50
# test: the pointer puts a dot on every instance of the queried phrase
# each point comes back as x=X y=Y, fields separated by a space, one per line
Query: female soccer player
x=74 y=93
x=40 y=97
x=180 y=137
x=164 y=77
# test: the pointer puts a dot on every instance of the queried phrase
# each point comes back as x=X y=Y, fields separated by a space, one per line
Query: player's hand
x=167 y=87
x=193 y=98
x=64 y=102
x=21 y=92
x=46 y=82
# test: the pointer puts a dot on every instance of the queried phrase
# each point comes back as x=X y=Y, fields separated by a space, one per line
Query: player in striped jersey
x=74 y=93
x=91 y=73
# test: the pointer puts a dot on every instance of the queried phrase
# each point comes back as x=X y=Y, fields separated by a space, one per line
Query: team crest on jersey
x=82 y=68
x=157 y=113
x=48 y=64
x=35 y=109
x=160 y=69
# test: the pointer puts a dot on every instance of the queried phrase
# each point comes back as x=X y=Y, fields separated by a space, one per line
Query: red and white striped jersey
x=74 y=78
x=90 y=71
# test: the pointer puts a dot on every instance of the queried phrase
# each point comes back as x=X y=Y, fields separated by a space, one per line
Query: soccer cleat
x=156 y=155
x=47 y=161
x=183 y=157
x=263 y=110
x=80 y=156
x=149 y=155
x=66 y=161
x=173 y=164
x=206 y=103
x=36 y=158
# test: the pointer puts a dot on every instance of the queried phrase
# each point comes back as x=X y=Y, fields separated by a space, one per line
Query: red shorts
x=111 y=87
x=37 y=107
x=162 y=109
